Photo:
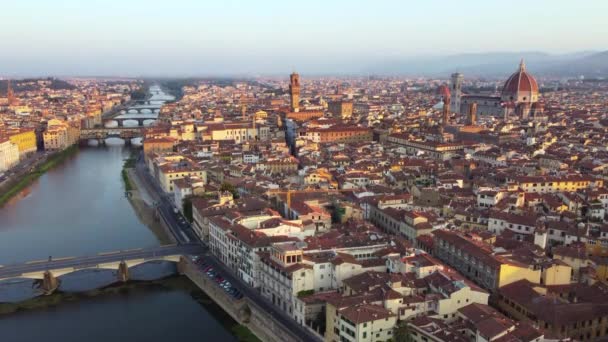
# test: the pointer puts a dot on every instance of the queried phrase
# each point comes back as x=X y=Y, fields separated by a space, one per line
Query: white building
x=9 y=154
x=284 y=276
x=521 y=225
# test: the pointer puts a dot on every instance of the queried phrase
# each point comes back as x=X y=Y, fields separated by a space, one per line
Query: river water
x=148 y=314
x=79 y=208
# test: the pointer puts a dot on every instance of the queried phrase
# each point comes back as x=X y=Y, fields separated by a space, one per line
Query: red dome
x=444 y=91
x=519 y=82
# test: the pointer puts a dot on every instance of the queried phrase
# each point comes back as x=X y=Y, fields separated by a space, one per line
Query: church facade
x=519 y=98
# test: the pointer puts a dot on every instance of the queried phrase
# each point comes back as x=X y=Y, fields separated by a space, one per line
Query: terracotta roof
x=520 y=81
x=365 y=313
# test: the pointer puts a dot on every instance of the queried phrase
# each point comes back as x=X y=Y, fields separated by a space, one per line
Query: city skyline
x=68 y=38
x=315 y=171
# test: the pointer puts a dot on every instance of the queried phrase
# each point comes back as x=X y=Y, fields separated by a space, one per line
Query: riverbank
x=13 y=188
x=128 y=164
x=143 y=207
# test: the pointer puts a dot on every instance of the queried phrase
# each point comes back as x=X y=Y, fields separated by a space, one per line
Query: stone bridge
x=140 y=118
x=116 y=132
x=47 y=271
x=139 y=109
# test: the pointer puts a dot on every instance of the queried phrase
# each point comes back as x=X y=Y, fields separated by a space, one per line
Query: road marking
x=63 y=259
x=132 y=250
x=171 y=245
x=36 y=262
x=184 y=235
x=108 y=253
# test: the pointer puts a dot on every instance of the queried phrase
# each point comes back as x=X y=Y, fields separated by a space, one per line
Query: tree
x=229 y=187
x=401 y=333
x=187 y=203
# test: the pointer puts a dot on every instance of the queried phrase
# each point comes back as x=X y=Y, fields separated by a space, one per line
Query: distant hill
x=593 y=65
x=498 y=64
x=23 y=84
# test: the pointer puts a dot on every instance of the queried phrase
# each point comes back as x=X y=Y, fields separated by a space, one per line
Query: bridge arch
x=130 y=123
x=110 y=123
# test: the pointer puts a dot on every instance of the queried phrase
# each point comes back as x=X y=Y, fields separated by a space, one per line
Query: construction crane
x=289 y=192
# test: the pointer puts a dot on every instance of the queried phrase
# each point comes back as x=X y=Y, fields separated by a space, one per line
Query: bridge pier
x=182 y=265
x=49 y=282
x=123 y=272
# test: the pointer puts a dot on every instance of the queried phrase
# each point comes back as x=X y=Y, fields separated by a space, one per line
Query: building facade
x=9 y=154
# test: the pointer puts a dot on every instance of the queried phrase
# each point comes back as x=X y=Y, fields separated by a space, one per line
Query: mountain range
x=590 y=64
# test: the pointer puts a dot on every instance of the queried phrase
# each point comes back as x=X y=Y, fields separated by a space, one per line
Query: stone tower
x=10 y=94
x=445 y=112
x=294 y=91
x=472 y=119
x=456 y=92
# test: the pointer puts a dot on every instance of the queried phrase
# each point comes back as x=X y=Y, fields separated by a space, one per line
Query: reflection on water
x=77 y=208
x=149 y=313
x=80 y=208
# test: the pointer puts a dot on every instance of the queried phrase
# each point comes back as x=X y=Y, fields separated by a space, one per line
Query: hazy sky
x=200 y=37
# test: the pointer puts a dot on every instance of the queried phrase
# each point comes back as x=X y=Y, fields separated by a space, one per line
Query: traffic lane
x=163 y=210
x=92 y=260
x=171 y=218
x=258 y=299
x=87 y=260
x=262 y=302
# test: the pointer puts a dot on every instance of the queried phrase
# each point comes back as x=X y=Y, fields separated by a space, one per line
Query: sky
x=257 y=37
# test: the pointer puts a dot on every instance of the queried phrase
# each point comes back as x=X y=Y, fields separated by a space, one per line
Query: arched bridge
x=118 y=132
x=141 y=119
x=152 y=108
x=48 y=270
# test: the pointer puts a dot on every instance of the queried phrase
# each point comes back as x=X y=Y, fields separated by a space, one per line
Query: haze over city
x=198 y=38
x=303 y=171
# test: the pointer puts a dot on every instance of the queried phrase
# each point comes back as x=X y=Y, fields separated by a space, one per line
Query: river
x=149 y=313
x=79 y=208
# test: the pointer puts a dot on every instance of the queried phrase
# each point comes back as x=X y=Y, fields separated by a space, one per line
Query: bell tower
x=294 y=91
x=10 y=94
x=472 y=115
x=456 y=91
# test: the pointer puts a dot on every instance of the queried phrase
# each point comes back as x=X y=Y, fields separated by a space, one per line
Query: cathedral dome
x=520 y=87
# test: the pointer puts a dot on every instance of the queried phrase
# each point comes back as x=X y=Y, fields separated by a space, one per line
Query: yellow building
x=60 y=135
x=478 y=262
x=55 y=138
x=568 y=183
x=25 y=139
x=170 y=172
